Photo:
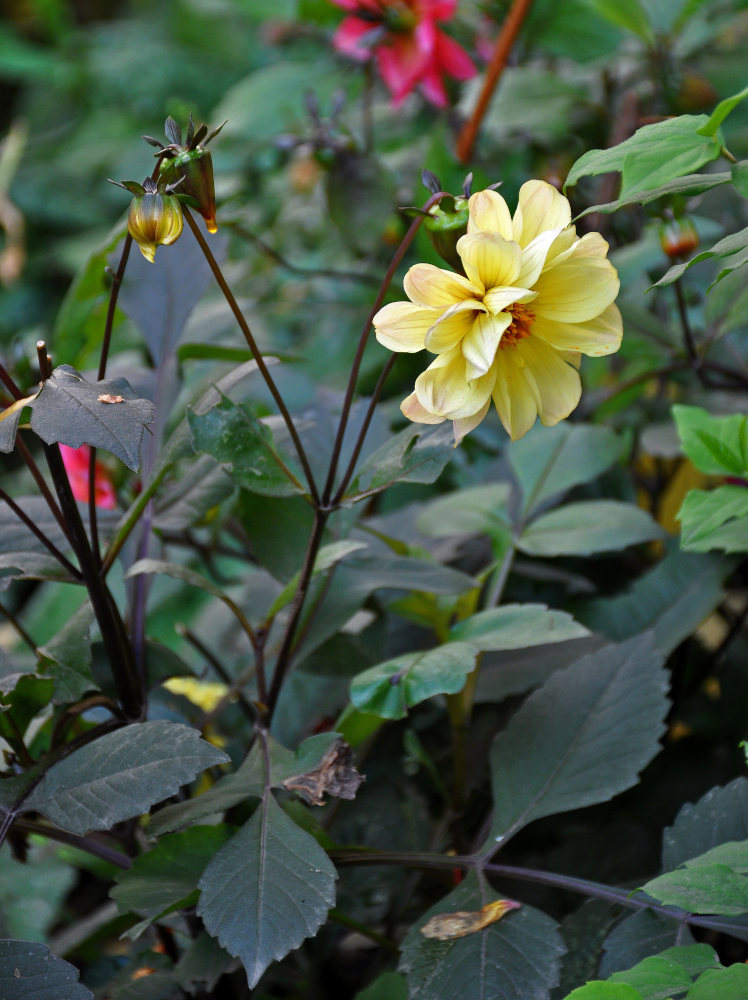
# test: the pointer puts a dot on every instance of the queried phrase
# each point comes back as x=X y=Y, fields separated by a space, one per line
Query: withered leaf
x=447 y=926
x=335 y=775
x=107 y=397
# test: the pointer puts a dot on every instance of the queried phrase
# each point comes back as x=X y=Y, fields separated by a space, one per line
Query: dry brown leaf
x=108 y=398
x=447 y=926
x=335 y=775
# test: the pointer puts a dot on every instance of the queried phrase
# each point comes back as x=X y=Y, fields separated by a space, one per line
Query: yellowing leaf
x=447 y=926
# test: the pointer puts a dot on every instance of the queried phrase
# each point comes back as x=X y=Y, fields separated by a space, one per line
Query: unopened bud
x=155 y=218
x=445 y=226
x=194 y=168
x=678 y=238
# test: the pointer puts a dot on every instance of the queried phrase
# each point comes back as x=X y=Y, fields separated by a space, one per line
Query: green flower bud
x=155 y=218
x=445 y=225
x=678 y=238
x=189 y=165
x=194 y=168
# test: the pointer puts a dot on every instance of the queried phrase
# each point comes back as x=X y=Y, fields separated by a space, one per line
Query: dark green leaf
x=720 y=816
x=733 y=853
x=652 y=156
x=690 y=184
x=516 y=958
x=391 y=688
x=587 y=527
x=517 y=626
x=266 y=890
x=203 y=962
x=69 y=656
x=69 y=410
x=716 y=519
x=702 y=889
x=639 y=936
x=673 y=599
x=29 y=970
x=388 y=986
x=167 y=874
x=327 y=557
x=121 y=774
x=232 y=434
x=600 y=721
x=475 y=510
x=550 y=460
x=415 y=455
x=33 y=892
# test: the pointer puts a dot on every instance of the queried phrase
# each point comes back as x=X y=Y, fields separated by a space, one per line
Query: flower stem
x=355 y=368
x=243 y=326
x=282 y=662
x=103 y=358
x=507 y=37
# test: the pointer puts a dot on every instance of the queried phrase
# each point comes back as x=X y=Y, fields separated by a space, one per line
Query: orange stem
x=507 y=37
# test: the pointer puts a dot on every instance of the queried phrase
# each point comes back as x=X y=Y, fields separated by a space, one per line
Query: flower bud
x=188 y=164
x=445 y=226
x=678 y=238
x=155 y=218
x=194 y=168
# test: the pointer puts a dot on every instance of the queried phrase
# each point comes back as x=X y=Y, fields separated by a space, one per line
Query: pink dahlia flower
x=410 y=50
x=76 y=465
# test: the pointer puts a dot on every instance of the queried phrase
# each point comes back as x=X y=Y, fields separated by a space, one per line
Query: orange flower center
x=520 y=327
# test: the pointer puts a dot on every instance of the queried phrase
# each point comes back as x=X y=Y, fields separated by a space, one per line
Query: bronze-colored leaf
x=335 y=775
x=447 y=926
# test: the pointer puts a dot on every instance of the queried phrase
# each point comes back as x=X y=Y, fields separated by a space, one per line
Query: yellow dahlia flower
x=533 y=299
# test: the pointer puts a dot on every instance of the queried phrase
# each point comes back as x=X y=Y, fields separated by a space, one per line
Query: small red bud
x=678 y=238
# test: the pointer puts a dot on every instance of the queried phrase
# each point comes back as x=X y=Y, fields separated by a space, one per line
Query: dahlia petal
x=514 y=401
x=351 y=38
x=489 y=259
x=479 y=347
x=540 y=207
x=412 y=409
x=499 y=298
x=401 y=64
x=466 y=424
x=489 y=213
x=432 y=88
x=534 y=257
x=437 y=10
x=555 y=385
x=595 y=337
x=447 y=331
x=427 y=285
x=444 y=390
x=402 y=326
x=576 y=290
x=371 y=5
x=453 y=59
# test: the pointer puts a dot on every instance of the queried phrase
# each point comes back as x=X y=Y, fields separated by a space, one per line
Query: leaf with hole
x=70 y=410
x=389 y=689
x=517 y=958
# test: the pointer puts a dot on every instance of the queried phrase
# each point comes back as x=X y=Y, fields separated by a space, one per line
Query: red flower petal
x=350 y=38
x=453 y=59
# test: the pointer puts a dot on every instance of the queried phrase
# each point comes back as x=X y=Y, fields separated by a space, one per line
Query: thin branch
x=23 y=634
x=243 y=326
x=353 y=377
x=504 y=43
x=216 y=664
x=86 y=844
x=282 y=662
x=305 y=272
x=41 y=484
x=38 y=533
